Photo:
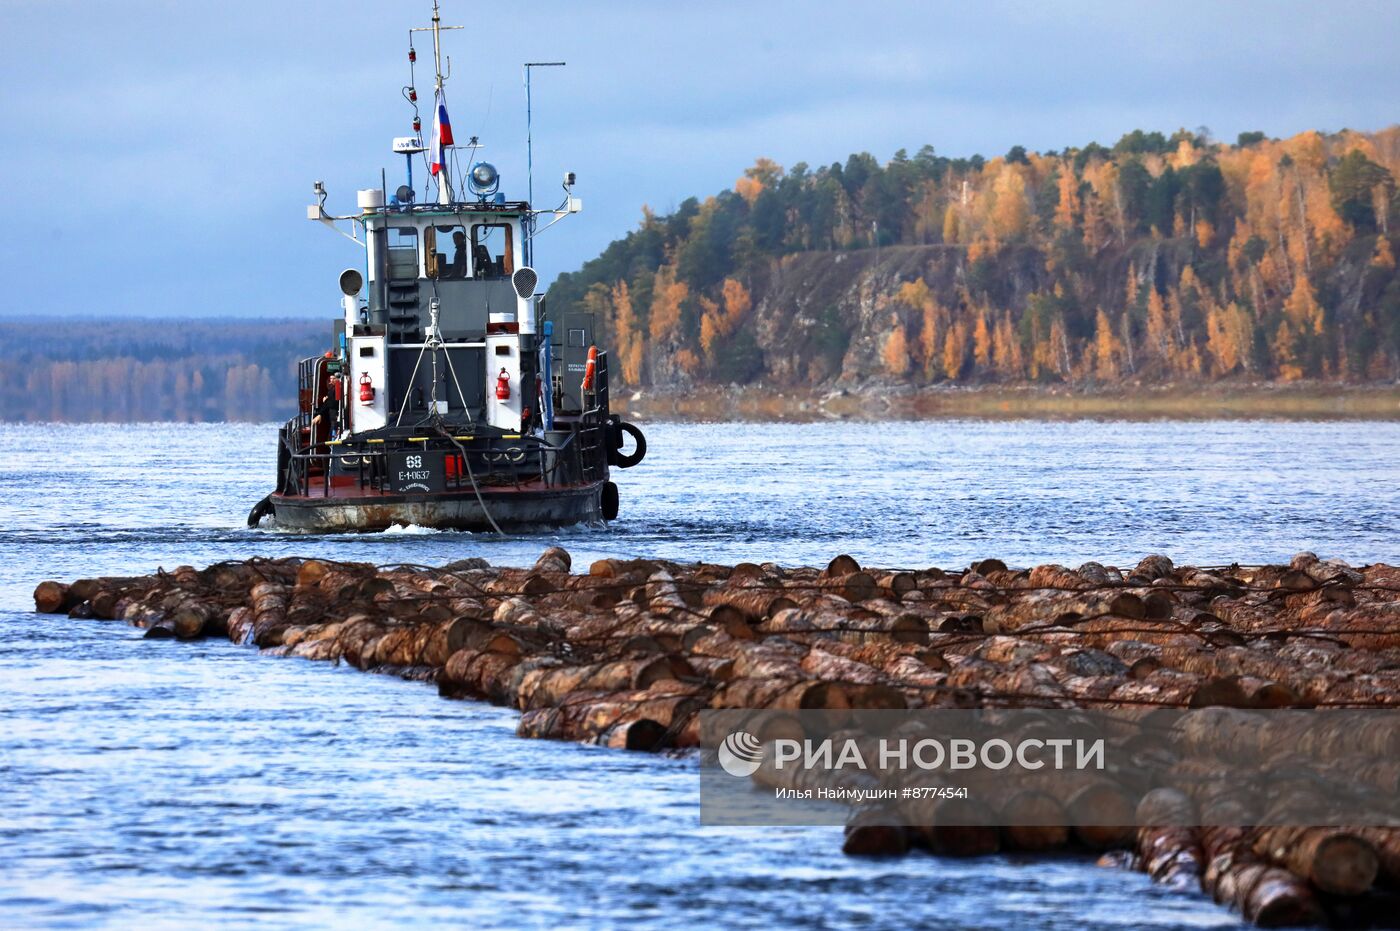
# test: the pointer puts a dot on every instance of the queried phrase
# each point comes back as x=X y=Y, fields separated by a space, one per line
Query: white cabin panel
x=367 y=357
x=503 y=358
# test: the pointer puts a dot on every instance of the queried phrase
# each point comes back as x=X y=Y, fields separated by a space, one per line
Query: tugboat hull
x=511 y=510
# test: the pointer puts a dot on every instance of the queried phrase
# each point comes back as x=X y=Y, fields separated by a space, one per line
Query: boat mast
x=444 y=184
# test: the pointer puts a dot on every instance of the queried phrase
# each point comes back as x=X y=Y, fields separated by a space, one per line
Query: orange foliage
x=764 y=174
x=1106 y=348
x=955 y=350
x=982 y=341
x=896 y=352
x=933 y=319
x=1010 y=214
x=950 y=224
x=629 y=336
x=1302 y=307
x=736 y=301
x=748 y=188
x=1286 y=353
x=711 y=326
x=667 y=297
x=688 y=362
x=1204 y=233
x=914 y=293
x=1006 y=349
x=1228 y=334
x=1159 y=336
x=1383 y=257
x=1068 y=207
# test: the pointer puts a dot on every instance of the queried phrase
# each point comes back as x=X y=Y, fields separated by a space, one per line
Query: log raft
x=629 y=652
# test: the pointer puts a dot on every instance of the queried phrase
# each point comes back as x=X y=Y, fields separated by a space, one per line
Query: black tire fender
x=610 y=501
x=615 y=455
x=284 y=462
x=259 y=511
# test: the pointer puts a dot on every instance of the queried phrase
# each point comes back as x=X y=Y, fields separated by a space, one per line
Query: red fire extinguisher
x=366 y=389
x=503 y=386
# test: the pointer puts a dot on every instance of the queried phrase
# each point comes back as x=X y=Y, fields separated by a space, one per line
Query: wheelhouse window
x=449 y=253
x=402 y=252
x=493 y=252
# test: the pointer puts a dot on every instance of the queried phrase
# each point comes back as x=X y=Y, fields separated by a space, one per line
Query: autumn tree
x=955 y=350
x=982 y=342
x=629 y=334
x=1067 y=207
x=896 y=351
x=667 y=297
x=1006 y=349
x=1106 y=348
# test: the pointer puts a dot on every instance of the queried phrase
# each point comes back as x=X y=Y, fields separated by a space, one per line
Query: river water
x=158 y=784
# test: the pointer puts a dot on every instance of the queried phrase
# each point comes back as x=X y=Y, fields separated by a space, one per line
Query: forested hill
x=1161 y=259
x=72 y=369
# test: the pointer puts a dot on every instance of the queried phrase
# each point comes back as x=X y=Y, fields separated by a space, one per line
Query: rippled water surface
x=158 y=784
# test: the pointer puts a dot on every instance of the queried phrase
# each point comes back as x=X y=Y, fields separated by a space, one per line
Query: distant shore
x=1309 y=401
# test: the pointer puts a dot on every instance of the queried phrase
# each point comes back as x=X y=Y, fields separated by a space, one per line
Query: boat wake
x=411 y=530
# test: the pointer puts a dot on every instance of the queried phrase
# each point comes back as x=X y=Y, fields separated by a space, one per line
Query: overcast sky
x=159 y=156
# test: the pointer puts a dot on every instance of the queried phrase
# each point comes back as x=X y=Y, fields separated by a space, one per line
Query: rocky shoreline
x=893 y=401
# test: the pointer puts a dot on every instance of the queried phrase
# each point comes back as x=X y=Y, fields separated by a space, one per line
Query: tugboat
x=450 y=397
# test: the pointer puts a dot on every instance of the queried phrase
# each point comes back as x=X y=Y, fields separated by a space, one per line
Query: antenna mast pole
x=530 y=151
x=444 y=183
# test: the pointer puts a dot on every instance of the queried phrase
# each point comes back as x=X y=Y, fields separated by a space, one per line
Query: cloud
x=175 y=144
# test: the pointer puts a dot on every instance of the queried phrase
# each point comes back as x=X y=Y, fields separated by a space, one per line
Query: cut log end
x=51 y=598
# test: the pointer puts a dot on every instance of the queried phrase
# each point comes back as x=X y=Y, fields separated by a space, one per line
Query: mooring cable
x=466 y=462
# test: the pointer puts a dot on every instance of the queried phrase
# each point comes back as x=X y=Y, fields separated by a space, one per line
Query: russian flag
x=442 y=135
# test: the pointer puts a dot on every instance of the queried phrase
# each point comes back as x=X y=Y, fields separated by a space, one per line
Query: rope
x=467 y=463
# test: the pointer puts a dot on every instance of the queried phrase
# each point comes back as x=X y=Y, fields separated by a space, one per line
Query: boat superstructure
x=450 y=398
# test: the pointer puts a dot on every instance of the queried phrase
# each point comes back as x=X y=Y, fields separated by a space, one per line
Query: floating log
x=1267 y=896
x=51 y=598
x=629 y=653
x=1033 y=821
x=754 y=603
x=870 y=832
x=1334 y=860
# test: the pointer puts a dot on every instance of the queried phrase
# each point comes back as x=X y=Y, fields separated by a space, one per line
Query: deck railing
x=364 y=465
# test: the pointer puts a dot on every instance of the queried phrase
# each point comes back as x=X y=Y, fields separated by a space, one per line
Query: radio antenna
x=530 y=151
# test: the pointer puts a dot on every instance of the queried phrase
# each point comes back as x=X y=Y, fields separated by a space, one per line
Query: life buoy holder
x=590 y=370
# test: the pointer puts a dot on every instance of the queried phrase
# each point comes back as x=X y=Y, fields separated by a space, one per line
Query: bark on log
x=1267 y=896
x=1332 y=859
x=555 y=559
x=756 y=604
